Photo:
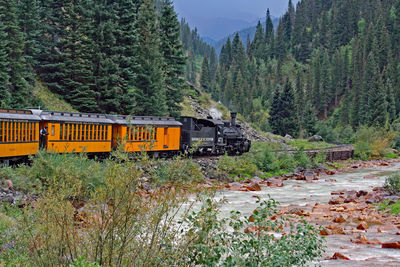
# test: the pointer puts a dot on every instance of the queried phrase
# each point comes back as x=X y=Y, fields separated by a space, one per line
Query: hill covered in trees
x=100 y=56
x=327 y=59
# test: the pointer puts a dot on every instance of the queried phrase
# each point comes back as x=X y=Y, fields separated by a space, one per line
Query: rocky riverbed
x=341 y=202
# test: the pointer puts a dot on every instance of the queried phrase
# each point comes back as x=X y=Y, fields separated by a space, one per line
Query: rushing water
x=301 y=193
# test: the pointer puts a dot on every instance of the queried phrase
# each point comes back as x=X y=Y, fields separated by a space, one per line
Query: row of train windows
x=17 y=131
x=141 y=134
x=75 y=132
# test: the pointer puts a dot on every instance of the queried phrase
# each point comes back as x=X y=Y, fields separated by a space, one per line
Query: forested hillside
x=101 y=56
x=335 y=60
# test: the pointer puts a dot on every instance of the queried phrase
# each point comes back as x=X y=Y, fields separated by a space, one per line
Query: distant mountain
x=243 y=34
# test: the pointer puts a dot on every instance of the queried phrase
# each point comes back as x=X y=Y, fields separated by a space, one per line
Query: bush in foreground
x=392 y=183
x=118 y=225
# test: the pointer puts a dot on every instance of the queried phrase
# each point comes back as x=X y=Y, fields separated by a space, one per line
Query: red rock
x=330 y=172
x=394 y=245
x=363 y=226
x=384 y=164
x=339 y=256
x=337 y=200
x=251 y=219
x=274 y=182
x=296 y=211
x=337 y=193
x=361 y=239
x=338 y=219
x=335 y=230
x=253 y=187
x=324 y=232
x=398 y=233
x=9 y=184
x=331 y=180
x=354 y=167
x=235 y=186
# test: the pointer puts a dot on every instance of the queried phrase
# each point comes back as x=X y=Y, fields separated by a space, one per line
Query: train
x=99 y=134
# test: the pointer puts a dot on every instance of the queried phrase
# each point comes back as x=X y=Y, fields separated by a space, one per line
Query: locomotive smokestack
x=233 y=117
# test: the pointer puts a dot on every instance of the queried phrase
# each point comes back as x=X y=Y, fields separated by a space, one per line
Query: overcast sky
x=234 y=9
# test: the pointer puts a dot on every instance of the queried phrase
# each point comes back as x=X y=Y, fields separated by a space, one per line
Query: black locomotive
x=213 y=137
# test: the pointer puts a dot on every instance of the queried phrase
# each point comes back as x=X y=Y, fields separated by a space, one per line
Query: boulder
x=310 y=175
x=288 y=136
x=338 y=219
x=273 y=182
x=339 y=256
x=253 y=187
x=363 y=226
x=315 y=138
x=296 y=211
x=394 y=245
x=335 y=230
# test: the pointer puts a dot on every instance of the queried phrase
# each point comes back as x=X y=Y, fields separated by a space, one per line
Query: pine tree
x=127 y=38
x=205 y=80
x=275 y=113
x=29 y=14
x=5 y=96
x=150 y=94
x=174 y=58
x=78 y=73
x=19 y=87
x=289 y=117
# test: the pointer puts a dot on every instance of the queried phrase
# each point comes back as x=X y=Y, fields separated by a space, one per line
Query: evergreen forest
x=327 y=64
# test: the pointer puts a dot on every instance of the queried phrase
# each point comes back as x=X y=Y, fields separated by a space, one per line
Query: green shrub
x=302 y=159
x=372 y=142
x=326 y=131
x=176 y=171
x=286 y=162
x=216 y=247
x=320 y=158
x=392 y=183
x=266 y=161
x=243 y=165
x=396 y=142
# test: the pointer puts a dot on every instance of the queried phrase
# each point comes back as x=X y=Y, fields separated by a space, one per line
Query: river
x=306 y=195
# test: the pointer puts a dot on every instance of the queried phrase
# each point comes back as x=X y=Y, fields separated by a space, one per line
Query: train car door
x=43 y=135
x=166 y=137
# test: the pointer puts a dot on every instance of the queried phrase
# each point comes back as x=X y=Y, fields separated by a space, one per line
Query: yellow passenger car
x=159 y=135
x=19 y=134
x=76 y=132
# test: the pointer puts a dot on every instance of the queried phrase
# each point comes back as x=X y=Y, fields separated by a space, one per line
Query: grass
x=391 y=208
x=262 y=146
x=50 y=100
x=187 y=108
x=302 y=143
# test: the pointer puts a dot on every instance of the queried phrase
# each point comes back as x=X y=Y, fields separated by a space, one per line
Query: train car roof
x=58 y=116
x=144 y=120
x=18 y=114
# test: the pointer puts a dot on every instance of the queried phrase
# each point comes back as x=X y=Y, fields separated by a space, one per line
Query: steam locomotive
x=99 y=133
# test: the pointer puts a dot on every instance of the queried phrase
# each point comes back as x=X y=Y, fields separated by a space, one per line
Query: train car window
x=90 y=132
x=136 y=133
x=65 y=132
x=155 y=133
x=148 y=134
x=103 y=132
x=30 y=131
x=1 y=131
x=69 y=131
x=22 y=131
x=127 y=133
x=140 y=133
x=78 y=136
x=53 y=130
x=12 y=132
x=5 y=131
x=61 y=131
